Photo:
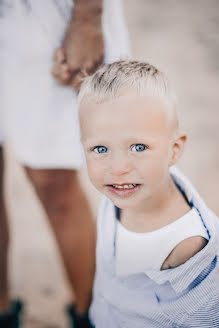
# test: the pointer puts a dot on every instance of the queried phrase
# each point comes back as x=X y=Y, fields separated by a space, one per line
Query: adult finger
x=55 y=69
x=59 y=55
x=61 y=73
x=91 y=67
x=76 y=79
x=96 y=65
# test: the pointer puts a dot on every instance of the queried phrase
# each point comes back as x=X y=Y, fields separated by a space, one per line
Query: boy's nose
x=119 y=167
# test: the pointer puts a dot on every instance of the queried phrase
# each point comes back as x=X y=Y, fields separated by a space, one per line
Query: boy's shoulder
x=184 y=251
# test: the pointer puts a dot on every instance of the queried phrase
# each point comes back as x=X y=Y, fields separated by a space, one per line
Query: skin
x=70 y=218
x=134 y=140
x=82 y=51
x=60 y=192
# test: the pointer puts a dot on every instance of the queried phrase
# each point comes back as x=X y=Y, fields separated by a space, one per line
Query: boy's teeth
x=127 y=186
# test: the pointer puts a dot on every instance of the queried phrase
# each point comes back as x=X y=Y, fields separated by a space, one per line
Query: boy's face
x=129 y=145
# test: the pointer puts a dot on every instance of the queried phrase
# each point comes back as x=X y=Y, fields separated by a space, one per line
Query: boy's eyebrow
x=134 y=139
x=139 y=138
x=93 y=142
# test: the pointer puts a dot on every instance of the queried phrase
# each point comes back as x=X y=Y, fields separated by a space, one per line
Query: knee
x=4 y=233
x=4 y=243
x=4 y=239
x=4 y=229
x=55 y=189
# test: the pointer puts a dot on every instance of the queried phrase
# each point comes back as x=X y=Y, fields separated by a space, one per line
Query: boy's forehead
x=123 y=119
x=130 y=104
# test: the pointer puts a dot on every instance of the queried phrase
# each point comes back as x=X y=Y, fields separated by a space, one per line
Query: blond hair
x=111 y=80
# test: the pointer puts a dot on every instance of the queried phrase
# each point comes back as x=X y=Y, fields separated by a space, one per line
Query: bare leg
x=71 y=220
x=4 y=242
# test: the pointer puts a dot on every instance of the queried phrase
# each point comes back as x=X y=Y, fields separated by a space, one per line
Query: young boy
x=157 y=241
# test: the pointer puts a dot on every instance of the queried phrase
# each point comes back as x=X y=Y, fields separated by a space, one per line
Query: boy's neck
x=163 y=208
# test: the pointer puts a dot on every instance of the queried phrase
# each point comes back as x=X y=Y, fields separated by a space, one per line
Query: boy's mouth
x=125 y=186
x=124 y=190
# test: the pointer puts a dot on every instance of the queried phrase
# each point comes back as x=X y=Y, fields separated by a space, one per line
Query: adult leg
x=10 y=310
x=4 y=243
x=71 y=220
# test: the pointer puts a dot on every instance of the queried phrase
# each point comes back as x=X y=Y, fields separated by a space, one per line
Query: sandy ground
x=180 y=37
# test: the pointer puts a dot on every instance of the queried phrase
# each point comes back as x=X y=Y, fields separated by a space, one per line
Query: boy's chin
x=124 y=204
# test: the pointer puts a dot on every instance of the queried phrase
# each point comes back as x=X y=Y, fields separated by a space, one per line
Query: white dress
x=38 y=117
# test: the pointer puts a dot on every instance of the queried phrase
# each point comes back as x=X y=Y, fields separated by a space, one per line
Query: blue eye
x=100 y=149
x=138 y=147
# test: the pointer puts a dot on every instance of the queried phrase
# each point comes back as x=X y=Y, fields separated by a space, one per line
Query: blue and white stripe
x=186 y=296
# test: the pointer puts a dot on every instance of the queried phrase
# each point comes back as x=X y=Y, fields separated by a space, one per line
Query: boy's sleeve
x=206 y=316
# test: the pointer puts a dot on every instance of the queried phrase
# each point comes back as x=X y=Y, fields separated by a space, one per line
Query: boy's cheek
x=95 y=174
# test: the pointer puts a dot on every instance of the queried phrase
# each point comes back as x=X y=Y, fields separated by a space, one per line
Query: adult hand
x=83 y=47
x=60 y=69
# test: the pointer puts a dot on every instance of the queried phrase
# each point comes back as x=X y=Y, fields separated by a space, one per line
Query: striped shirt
x=185 y=296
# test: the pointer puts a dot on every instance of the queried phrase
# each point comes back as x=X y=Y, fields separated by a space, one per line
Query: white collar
x=182 y=276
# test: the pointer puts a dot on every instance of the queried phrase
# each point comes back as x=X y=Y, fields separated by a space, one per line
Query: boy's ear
x=177 y=148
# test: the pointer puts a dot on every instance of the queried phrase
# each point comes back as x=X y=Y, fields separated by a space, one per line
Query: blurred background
x=182 y=39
